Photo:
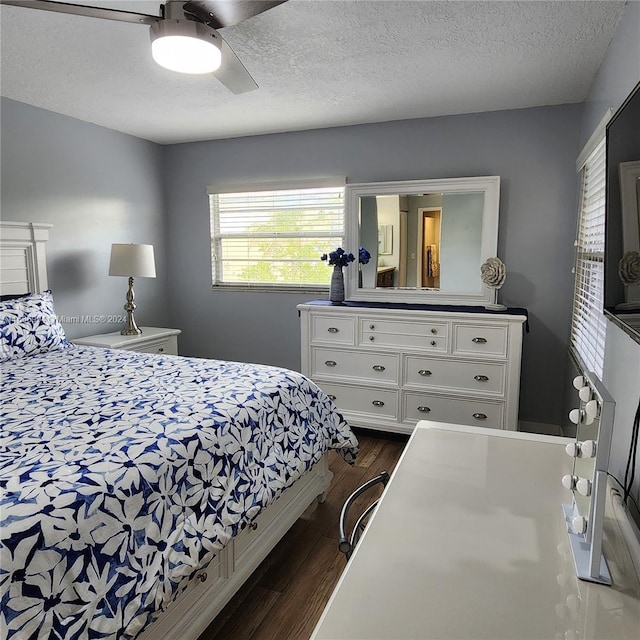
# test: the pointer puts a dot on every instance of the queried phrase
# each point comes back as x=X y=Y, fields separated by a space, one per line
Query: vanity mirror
x=588 y=481
x=427 y=239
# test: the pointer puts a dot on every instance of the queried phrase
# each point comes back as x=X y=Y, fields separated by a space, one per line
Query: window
x=588 y=324
x=273 y=238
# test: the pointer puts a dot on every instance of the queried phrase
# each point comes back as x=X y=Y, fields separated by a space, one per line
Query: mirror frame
x=490 y=185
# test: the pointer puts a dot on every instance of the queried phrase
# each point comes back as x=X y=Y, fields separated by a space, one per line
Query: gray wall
x=533 y=150
x=618 y=75
x=96 y=187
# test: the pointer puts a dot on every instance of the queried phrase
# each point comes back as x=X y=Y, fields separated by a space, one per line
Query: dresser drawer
x=431 y=336
x=423 y=406
x=479 y=377
x=167 y=346
x=203 y=584
x=479 y=340
x=363 y=365
x=379 y=403
x=333 y=330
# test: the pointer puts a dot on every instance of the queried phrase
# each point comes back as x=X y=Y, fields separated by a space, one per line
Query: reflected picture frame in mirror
x=381 y=207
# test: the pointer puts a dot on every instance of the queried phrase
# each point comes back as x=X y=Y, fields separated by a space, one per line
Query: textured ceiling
x=318 y=63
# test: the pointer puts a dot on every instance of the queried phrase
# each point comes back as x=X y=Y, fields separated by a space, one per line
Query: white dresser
x=389 y=366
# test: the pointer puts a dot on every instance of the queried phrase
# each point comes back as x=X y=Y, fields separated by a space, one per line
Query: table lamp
x=132 y=261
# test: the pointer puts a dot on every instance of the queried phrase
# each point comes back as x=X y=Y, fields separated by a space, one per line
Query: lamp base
x=130 y=327
x=127 y=331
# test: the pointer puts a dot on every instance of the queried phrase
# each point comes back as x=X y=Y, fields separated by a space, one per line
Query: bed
x=139 y=491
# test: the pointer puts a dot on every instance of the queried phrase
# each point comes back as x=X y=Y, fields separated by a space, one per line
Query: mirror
x=588 y=479
x=427 y=239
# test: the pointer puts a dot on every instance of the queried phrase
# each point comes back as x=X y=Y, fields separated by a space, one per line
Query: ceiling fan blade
x=232 y=73
x=84 y=10
x=226 y=13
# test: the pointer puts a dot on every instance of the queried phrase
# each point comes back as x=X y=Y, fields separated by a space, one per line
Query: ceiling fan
x=184 y=37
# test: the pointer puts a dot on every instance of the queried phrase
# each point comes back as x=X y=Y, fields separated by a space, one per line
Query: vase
x=336 y=290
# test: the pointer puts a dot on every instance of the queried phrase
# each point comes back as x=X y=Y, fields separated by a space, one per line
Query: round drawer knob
x=424 y=409
x=160 y=349
x=371 y=338
x=433 y=343
x=480 y=416
x=378 y=403
x=372 y=326
x=253 y=526
x=332 y=397
x=434 y=330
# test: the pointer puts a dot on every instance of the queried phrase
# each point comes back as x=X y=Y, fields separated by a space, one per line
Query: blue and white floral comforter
x=123 y=473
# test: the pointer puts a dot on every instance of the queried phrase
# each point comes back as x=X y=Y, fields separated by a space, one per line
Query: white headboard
x=23 y=264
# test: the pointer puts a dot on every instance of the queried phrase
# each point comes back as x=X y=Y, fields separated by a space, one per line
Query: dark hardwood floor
x=285 y=596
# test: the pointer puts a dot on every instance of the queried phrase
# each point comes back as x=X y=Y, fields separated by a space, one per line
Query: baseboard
x=540 y=427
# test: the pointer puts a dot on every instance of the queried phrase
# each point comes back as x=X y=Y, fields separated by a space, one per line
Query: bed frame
x=22 y=270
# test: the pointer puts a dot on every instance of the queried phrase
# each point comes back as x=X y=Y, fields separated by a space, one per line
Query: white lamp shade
x=132 y=260
x=185 y=46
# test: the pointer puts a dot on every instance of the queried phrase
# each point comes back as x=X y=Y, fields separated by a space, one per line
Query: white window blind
x=274 y=238
x=588 y=326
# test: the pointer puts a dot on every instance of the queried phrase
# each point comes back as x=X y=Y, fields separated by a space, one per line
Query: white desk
x=469 y=541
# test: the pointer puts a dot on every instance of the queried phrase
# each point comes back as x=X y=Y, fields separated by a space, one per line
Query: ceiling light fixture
x=185 y=46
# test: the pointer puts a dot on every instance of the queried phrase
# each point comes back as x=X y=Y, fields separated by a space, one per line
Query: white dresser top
x=469 y=541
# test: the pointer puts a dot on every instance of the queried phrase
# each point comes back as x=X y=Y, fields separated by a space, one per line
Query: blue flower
x=363 y=256
x=338 y=257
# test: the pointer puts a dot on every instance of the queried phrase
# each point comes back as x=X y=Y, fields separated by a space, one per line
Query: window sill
x=270 y=289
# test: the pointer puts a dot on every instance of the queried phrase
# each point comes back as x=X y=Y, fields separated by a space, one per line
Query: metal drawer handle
x=253 y=526
x=378 y=403
x=480 y=378
x=480 y=416
x=424 y=372
x=202 y=576
x=372 y=326
x=371 y=338
x=330 y=363
x=433 y=343
x=434 y=330
x=331 y=397
x=333 y=330
x=479 y=340
x=424 y=409
x=378 y=367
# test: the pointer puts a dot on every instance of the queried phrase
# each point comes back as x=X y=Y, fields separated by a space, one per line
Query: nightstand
x=151 y=340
